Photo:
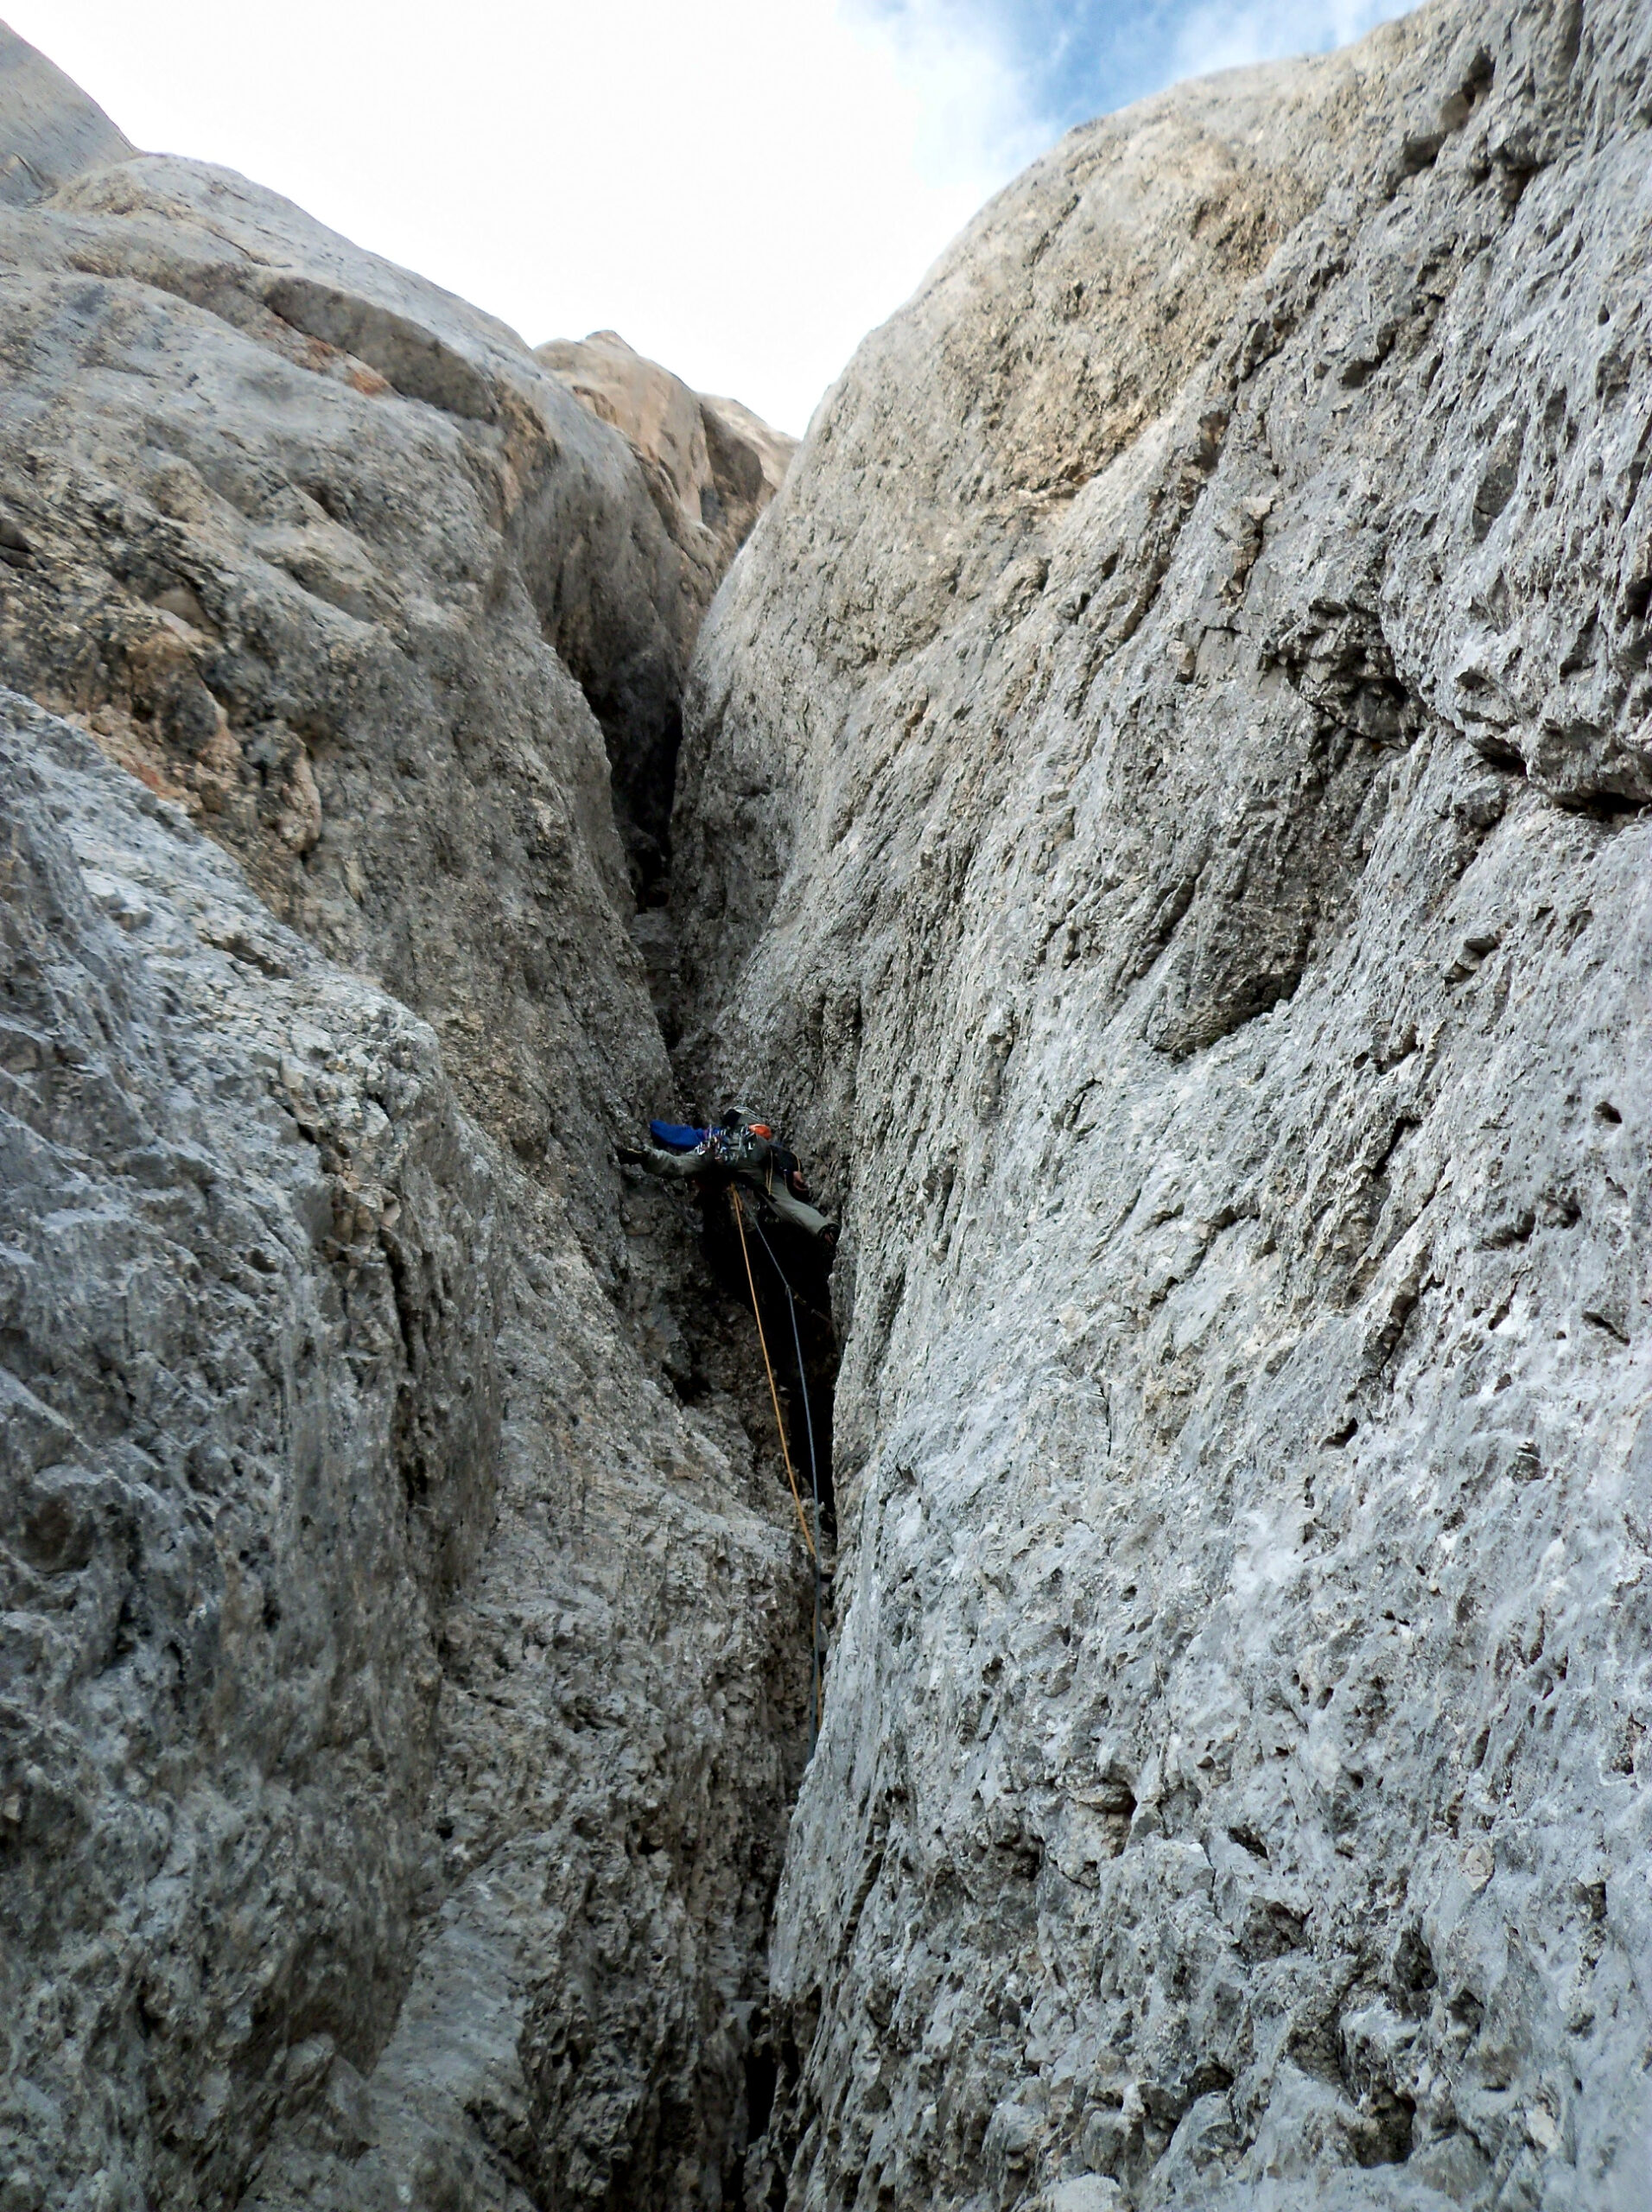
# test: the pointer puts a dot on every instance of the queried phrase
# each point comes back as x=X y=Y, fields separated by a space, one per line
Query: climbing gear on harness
x=736 y=1150
x=768 y=1369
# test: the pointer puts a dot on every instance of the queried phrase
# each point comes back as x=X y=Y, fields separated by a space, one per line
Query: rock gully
x=1161 y=817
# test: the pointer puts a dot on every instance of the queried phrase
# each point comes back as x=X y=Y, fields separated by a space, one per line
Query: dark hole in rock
x=762 y=2072
x=1384 y=2135
x=55 y=1538
x=1467 y=2010
x=1414 y=1973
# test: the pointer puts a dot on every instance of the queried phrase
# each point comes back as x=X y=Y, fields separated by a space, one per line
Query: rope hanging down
x=768 y=1369
x=813 y=1482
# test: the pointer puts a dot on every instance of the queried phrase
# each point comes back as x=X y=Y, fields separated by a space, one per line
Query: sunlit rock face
x=313 y=548
x=404 y=1687
x=1163 y=821
x=51 y=130
x=1164 y=809
x=711 y=464
x=711 y=467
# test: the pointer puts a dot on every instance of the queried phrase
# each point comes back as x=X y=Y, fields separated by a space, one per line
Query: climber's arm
x=674 y=1167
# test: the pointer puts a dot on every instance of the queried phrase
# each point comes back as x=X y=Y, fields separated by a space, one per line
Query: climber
x=741 y=1149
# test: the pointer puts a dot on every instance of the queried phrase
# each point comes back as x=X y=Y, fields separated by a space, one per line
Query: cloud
x=979 y=112
x=1066 y=60
x=742 y=186
x=1224 y=36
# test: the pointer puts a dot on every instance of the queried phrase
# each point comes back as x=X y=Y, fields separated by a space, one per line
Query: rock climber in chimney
x=741 y=1148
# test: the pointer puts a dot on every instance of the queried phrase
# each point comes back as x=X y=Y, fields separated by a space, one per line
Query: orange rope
x=774 y=1394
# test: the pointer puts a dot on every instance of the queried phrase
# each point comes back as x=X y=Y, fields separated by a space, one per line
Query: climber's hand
x=628 y=1156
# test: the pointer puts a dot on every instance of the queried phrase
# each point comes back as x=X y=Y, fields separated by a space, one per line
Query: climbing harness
x=811 y=1540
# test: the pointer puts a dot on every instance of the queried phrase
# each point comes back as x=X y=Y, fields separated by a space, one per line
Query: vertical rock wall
x=253 y=1416
x=1165 y=801
x=711 y=467
x=1164 y=815
x=404 y=1688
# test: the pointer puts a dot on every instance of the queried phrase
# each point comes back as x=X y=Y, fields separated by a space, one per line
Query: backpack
x=676 y=1136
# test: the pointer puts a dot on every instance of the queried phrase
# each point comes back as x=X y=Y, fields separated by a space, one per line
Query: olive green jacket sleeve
x=675 y=1166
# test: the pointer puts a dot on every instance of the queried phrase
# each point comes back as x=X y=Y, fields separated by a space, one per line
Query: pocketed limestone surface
x=253 y=1405
x=1164 y=820
x=398 y=1724
x=1164 y=813
x=405 y=1688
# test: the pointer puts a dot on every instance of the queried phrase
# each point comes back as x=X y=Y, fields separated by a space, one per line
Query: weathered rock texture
x=711 y=464
x=280 y=485
x=1166 y=809
x=1164 y=806
x=711 y=467
x=51 y=130
x=292 y=1713
x=404 y=1689
x=252 y=1415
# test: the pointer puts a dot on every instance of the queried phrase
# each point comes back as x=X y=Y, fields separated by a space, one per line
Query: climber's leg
x=797 y=1212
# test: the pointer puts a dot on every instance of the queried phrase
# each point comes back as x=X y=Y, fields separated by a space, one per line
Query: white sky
x=742 y=188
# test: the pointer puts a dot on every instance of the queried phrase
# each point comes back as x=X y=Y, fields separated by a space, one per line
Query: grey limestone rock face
x=1165 y=817
x=49 y=131
x=711 y=467
x=1163 y=809
x=251 y=1422
x=397 y=1721
x=405 y=1684
x=322 y=548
